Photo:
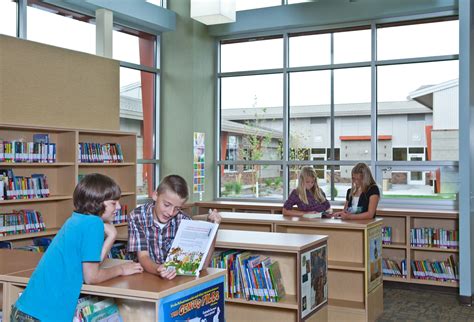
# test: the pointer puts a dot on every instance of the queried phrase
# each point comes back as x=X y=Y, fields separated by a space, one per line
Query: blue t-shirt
x=54 y=287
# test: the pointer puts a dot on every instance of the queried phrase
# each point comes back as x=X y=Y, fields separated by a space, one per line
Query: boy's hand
x=110 y=230
x=214 y=216
x=165 y=273
x=131 y=268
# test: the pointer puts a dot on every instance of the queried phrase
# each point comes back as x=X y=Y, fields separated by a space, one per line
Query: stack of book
x=434 y=237
x=392 y=268
x=19 y=187
x=91 y=308
x=446 y=270
x=250 y=276
x=387 y=235
x=40 y=150
x=100 y=153
x=21 y=222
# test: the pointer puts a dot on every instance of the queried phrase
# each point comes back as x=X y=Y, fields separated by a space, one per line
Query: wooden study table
x=355 y=267
x=140 y=297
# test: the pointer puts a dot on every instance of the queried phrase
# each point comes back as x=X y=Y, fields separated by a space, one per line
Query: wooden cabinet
x=288 y=250
x=62 y=175
x=401 y=247
x=355 y=284
x=401 y=222
x=139 y=297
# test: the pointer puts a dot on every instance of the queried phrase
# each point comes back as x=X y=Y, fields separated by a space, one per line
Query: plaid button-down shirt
x=144 y=233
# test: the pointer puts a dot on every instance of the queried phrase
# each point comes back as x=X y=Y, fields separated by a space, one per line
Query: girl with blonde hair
x=363 y=197
x=308 y=196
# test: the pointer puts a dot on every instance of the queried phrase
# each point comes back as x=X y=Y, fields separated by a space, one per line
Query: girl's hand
x=131 y=268
x=110 y=230
x=165 y=273
x=344 y=214
x=214 y=216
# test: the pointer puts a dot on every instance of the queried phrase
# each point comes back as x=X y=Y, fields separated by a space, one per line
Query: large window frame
x=377 y=166
x=151 y=163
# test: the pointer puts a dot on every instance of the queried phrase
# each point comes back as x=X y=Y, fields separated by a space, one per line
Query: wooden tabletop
x=144 y=286
x=246 y=217
x=279 y=242
x=279 y=205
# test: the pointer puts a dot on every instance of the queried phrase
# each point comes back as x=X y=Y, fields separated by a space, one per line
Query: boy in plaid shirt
x=152 y=227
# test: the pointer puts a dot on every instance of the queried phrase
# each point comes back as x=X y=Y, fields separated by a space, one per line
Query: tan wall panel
x=51 y=86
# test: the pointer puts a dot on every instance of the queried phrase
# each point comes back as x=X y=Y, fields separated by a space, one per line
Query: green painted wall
x=187 y=97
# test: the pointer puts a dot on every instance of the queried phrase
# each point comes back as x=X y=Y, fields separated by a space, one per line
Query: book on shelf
x=92 y=309
x=89 y=152
x=191 y=246
x=21 y=222
x=434 y=237
x=387 y=235
x=121 y=215
x=446 y=271
x=392 y=268
x=250 y=276
x=40 y=150
x=119 y=251
x=14 y=187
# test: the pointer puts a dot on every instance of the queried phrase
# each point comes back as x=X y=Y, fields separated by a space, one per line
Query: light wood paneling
x=47 y=85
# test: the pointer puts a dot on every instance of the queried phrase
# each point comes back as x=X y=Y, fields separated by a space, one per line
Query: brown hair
x=367 y=179
x=92 y=191
x=175 y=184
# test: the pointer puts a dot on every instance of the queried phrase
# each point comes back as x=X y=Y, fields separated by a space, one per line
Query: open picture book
x=191 y=246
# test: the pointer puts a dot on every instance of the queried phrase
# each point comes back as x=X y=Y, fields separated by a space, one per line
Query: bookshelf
x=288 y=250
x=401 y=221
x=354 y=292
x=139 y=297
x=62 y=175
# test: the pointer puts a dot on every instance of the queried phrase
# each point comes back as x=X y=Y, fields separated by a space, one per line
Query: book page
x=190 y=246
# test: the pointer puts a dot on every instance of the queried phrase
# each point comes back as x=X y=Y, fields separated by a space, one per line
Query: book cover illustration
x=375 y=257
x=191 y=246
x=314 y=282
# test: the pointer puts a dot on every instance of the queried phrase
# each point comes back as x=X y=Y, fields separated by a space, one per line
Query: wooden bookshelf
x=62 y=175
x=138 y=297
x=401 y=221
x=352 y=293
x=288 y=250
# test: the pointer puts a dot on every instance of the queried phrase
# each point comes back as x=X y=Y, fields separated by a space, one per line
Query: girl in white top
x=362 y=199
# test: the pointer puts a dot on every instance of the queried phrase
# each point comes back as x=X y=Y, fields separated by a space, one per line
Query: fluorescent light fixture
x=213 y=12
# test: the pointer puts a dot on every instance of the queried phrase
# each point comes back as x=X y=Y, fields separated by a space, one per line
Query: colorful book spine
x=90 y=152
x=21 y=222
x=434 y=238
x=446 y=271
x=250 y=276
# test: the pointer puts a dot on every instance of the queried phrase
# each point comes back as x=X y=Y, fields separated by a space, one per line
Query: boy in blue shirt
x=75 y=254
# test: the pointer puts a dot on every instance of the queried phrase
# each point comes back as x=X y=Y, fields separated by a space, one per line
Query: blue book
x=41 y=138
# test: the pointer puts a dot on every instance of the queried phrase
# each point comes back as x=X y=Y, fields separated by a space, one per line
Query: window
x=134 y=47
x=231 y=152
x=325 y=94
x=8 y=9
x=54 y=26
x=396 y=41
x=264 y=53
x=251 y=4
x=138 y=53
